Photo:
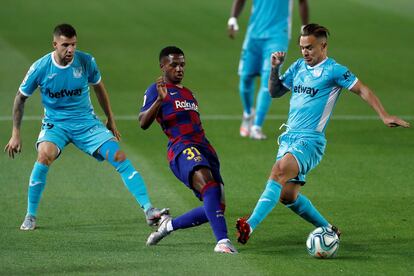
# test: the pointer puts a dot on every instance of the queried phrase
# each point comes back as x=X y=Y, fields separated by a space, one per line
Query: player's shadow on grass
x=294 y=246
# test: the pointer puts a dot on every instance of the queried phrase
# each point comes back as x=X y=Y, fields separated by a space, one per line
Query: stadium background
x=90 y=224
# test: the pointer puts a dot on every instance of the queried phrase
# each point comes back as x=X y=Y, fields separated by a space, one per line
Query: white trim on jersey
x=287 y=86
x=352 y=84
x=23 y=93
x=95 y=83
x=60 y=66
x=317 y=65
x=328 y=108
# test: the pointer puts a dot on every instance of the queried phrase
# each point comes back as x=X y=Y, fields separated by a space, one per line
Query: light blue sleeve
x=31 y=80
x=343 y=77
x=288 y=76
x=94 y=76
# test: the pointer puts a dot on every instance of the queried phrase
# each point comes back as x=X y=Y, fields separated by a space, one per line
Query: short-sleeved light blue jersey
x=315 y=91
x=270 y=18
x=64 y=89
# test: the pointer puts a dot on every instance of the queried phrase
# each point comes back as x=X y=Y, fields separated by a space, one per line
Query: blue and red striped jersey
x=179 y=118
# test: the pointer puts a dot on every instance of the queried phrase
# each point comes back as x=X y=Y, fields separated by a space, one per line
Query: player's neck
x=58 y=61
x=176 y=84
x=319 y=62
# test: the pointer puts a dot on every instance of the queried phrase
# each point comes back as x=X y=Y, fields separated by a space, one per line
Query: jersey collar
x=317 y=65
x=60 y=66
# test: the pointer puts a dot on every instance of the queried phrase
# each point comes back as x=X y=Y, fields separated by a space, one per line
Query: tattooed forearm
x=18 y=110
x=276 y=88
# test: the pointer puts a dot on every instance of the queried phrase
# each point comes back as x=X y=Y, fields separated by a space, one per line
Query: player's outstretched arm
x=147 y=117
x=304 y=12
x=367 y=95
x=15 y=143
x=236 y=9
x=103 y=100
x=276 y=88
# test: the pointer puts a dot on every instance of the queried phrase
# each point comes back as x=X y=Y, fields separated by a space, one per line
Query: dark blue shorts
x=192 y=158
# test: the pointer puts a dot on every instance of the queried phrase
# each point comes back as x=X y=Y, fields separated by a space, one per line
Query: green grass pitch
x=90 y=224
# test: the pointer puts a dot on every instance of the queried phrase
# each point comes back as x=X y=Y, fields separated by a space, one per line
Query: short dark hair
x=170 y=50
x=316 y=30
x=65 y=30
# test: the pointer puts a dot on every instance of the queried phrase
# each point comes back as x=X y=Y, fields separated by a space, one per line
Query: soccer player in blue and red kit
x=192 y=159
x=63 y=77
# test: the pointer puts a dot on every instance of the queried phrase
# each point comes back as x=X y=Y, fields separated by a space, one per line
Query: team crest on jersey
x=77 y=72
x=317 y=72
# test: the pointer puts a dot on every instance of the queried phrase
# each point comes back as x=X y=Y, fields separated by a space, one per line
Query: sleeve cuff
x=24 y=93
x=352 y=84
x=95 y=83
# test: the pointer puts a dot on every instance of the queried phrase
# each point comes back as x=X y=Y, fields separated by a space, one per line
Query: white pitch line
x=224 y=117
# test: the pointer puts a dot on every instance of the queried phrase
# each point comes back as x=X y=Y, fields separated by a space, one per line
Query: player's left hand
x=277 y=58
x=394 y=121
x=110 y=124
x=161 y=88
x=232 y=27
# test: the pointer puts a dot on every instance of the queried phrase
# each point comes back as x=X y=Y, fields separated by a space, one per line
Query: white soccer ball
x=322 y=243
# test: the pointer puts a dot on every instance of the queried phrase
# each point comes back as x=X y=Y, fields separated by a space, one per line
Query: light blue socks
x=304 y=208
x=135 y=183
x=36 y=186
x=266 y=203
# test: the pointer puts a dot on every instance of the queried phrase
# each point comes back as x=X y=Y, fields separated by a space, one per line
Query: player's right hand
x=13 y=146
x=161 y=88
x=277 y=58
x=394 y=121
x=232 y=27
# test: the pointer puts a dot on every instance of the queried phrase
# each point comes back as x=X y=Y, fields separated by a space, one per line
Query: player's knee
x=45 y=159
x=119 y=156
x=287 y=198
x=278 y=174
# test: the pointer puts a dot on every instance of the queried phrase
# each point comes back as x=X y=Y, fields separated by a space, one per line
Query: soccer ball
x=322 y=243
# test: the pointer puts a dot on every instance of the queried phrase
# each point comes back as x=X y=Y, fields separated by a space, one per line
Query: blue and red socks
x=212 y=211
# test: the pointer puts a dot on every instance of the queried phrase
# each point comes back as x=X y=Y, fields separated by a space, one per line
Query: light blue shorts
x=86 y=135
x=255 y=55
x=307 y=147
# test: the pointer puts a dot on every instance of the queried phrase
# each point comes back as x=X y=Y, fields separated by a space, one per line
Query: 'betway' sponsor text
x=305 y=90
x=64 y=93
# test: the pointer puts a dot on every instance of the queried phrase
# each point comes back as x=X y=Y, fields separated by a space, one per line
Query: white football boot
x=162 y=231
x=29 y=223
x=225 y=246
x=247 y=122
x=256 y=133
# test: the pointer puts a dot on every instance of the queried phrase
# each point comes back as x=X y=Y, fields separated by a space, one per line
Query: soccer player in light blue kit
x=268 y=31
x=63 y=77
x=315 y=82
